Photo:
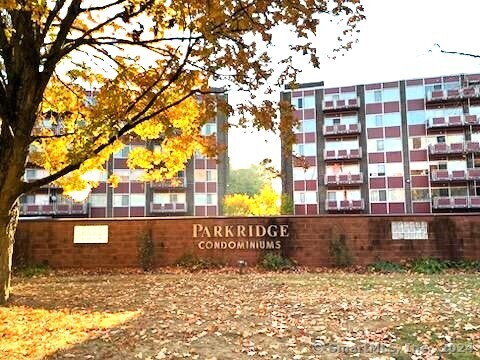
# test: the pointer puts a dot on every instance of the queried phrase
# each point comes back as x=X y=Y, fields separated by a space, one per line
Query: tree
x=247 y=181
x=265 y=203
x=79 y=77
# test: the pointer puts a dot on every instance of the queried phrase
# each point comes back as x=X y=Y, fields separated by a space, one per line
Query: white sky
x=394 y=44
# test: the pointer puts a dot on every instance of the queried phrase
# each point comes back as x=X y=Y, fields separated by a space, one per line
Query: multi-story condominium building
x=408 y=146
x=198 y=190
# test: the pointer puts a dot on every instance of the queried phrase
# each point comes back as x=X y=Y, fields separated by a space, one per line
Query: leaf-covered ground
x=217 y=315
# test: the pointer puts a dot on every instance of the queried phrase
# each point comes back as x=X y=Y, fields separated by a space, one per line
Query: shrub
x=386 y=267
x=33 y=270
x=193 y=262
x=275 y=262
x=339 y=251
x=286 y=207
x=145 y=251
x=428 y=266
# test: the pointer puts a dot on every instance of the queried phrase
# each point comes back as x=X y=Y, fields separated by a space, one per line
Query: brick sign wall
x=114 y=242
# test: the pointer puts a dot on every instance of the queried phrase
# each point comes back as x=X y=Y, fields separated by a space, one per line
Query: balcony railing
x=344 y=205
x=454 y=148
x=452 y=121
x=343 y=154
x=445 y=175
x=54 y=209
x=344 y=179
x=453 y=94
x=456 y=202
x=473 y=174
x=168 y=208
x=333 y=105
x=178 y=182
x=341 y=129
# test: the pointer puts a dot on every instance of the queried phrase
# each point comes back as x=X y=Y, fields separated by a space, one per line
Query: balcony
x=337 y=105
x=454 y=148
x=452 y=121
x=345 y=205
x=453 y=94
x=344 y=179
x=177 y=182
x=339 y=129
x=168 y=208
x=53 y=209
x=343 y=154
x=456 y=202
x=473 y=174
x=445 y=175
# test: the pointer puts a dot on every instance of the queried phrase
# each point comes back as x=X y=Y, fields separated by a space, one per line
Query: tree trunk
x=8 y=225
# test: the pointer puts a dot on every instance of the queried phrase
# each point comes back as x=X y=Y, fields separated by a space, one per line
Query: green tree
x=247 y=181
x=148 y=61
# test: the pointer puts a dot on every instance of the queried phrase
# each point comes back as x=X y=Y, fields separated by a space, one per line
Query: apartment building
x=198 y=190
x=407 y=146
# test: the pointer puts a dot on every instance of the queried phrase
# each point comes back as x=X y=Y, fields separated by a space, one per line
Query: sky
x=397 y=41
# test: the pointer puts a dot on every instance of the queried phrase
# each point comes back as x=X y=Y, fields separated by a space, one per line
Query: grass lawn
x=224 y=315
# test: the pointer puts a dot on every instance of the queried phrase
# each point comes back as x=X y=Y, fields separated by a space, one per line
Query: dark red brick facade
x=368 y=239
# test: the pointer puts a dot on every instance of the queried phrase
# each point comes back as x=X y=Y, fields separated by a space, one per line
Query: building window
x=309 y=102
x=120 y=200
x=416 y=143
x=297 y=102
x=211 y=199
x=441 y=139
x=409 y=230
x=211 y=175
x=396 y=195
x=331 y=196
x=420 y=195
x=123 y=174
x=122 y=154
x=209 y=129
x=98 y=200
x=416 y=117
x=379 y=145
x=137 y=200
x=378 y=195
x=415 y=92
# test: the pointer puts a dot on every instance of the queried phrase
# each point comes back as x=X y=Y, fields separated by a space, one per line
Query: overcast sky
x=396 y=42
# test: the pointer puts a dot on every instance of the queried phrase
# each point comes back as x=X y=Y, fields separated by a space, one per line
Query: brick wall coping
x=204 y=218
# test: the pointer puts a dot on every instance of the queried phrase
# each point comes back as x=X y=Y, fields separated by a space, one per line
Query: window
x=308 y=126
x=209 y=129
x=120 y=200
x=396 y=195
x=90 y=234
x=378 y=195
x=458 y=191
x=393 y=144
x=211 y=199
x=392 y=119
x=415 y=92
x=376 y=170
x=394 y=169
x=297 y=102
x=439 y=192
x=161 y=198
x=98 y=200
x=123 y=174
x=200 y=199
x=336 y=121
x=299 y=197
x=374 y=121
x=331 y=196
x=420 y=195
x=122 y=154
x=300 y=173
x=416 y=143
x=211 y=175
x=416 y=117
x=137 y=200
x=200 y=175
x=409 y=230
x=309 y=102
x=391 y=94
x=379 y=145
x=441 y=139
x=136 y=175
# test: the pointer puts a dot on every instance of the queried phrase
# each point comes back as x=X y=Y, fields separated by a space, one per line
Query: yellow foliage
x=266 y=203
